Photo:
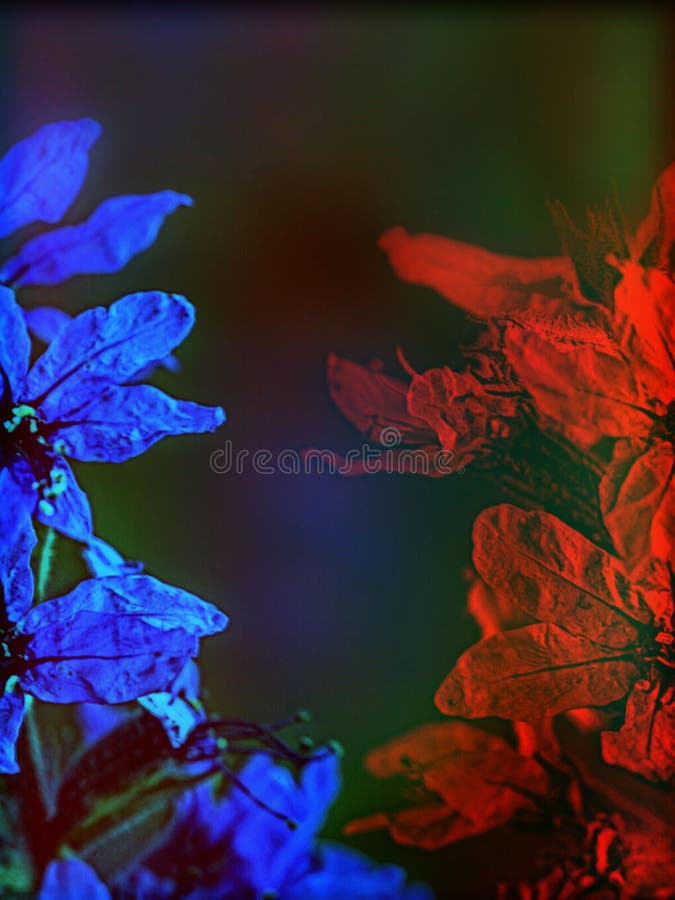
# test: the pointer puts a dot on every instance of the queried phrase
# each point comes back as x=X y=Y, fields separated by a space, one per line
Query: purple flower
x=76 y=401
x=39 y=179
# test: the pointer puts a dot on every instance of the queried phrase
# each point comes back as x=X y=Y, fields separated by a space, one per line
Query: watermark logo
x=389 y=458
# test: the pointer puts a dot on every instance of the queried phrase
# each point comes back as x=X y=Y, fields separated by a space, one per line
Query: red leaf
x=483 y=283
x=553 y=574
x=533 y=671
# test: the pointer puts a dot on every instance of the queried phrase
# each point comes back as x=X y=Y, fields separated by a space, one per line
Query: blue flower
x=110 y=640
x=76 y=401
x=39 y=179
x=234 y=848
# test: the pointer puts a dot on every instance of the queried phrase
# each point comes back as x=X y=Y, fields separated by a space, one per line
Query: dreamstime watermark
x=388 y=458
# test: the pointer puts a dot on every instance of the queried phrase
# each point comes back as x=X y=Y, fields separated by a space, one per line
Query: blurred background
x=302 y=136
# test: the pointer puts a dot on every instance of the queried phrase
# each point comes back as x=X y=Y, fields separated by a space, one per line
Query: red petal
x=464 y=413
x=645 y=744
x=372 y=402
x=576 y=382
x=533 y=671
x=637 y=498
x=553 y=574
x=483 y=283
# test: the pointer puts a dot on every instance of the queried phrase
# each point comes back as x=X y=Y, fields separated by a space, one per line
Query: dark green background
x=302 y=137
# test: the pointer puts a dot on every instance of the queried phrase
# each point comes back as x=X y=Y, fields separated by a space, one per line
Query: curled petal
x=465 y=414
x=373 y=402
x=483 y=283
x=120 y=228
x=123 y=422
x=12 y=708
x=101 y=346
x=533 y=671
x=41 y=175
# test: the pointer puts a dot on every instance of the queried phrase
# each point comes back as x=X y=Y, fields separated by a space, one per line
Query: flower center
x=24 y=436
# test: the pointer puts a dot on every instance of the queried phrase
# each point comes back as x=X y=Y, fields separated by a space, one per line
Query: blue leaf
x=14 y=342
x=17 y=540
x=106 y=346
x=119 y=229
x=12 y=708
x=41 y=175
x=72 y=879
x=122 y=422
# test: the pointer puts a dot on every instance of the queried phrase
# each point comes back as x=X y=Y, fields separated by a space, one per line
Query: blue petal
x=268 y=848
x=106 y=346
x=44 y=322
x=102 y=559
x=17 y=540
x=96 y=720
x=41 y=175
x=12 y=708
x=159 y=605
x=114 y=233
x=339 y=872
x=14 y=342
x=72 y=879
x=101 y=657
x=70 y=512
x=122 y=422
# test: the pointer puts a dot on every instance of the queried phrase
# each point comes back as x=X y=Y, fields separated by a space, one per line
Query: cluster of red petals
x=584 y=345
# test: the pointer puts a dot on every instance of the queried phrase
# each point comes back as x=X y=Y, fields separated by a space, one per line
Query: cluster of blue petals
x=121 y=635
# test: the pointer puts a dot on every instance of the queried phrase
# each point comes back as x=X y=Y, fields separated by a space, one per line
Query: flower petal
x=14 y=343
x=337 y=872
x=70 y=512
x=17 y=540
x=12 y=708
x=72 y=879
x=102 y=657
x=159 y=605
x=533 y=671
x=45 y=322
x=483 y=283
x=644 y=744
x=41 y=175
x=577 y=380
x=103 y=346
x=553 y=574
x=372 y=402
x=119 y=229
x=123 y=422
x=103 y=559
